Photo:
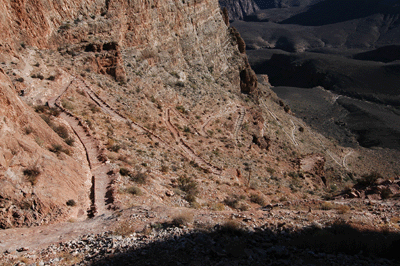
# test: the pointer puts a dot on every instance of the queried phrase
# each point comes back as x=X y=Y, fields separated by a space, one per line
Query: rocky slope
x=163 y=113
x=36 y=183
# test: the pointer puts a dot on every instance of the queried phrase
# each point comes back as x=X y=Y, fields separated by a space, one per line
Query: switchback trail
x=239 y=123
x=291 y=137
x=227 y=110
x=186 y=149
x=98 y=167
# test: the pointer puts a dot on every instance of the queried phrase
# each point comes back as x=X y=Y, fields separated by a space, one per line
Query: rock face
x=238 y=9
x=35 y=184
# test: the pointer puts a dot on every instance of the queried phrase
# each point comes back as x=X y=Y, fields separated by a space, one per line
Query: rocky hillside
x=121 y=107
x=38 y=173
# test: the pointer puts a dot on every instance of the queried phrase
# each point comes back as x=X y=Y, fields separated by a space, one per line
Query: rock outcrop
x=238 y=9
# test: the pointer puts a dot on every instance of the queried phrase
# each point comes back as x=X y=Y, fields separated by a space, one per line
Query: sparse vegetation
x=327 y=206
x=31 y=174
x=56 y=148
x=256 y=198
x=190 y=187
x=182 y=219
x=134 y=191
x=140 y=178
x=233 y=201
x=62 y=131
x=125 y=228
x=342 y=209
x=181 y=109
x=369 y=179
x=70 y=141
x=231 y=227
x=67 y=105
x=164 y=168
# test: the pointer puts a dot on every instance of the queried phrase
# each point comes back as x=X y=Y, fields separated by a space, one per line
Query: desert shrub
x=46 y=118
x=190 y=198
x=62 y=131
x=71 y=203
x=370 y=179
x=40 y=108
x=327 y=206
x=218 y=206
x=164 y=168
x=270 y=170
x=254 y=184
x=70 y=141
x=115 y=148
x=56 y=148
x=94 y=108
x=67 y=105
x=28 y=130
x=188 y=185
x=342 y=209
x=124 y=172
x=140 y=178
x=134 y=191
x=232 y=201
x=231 y=227
x=125 y=228
x=54 y=111
x=182 y=219
x=181 y=109
x=255 y=198
x=32 y=174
